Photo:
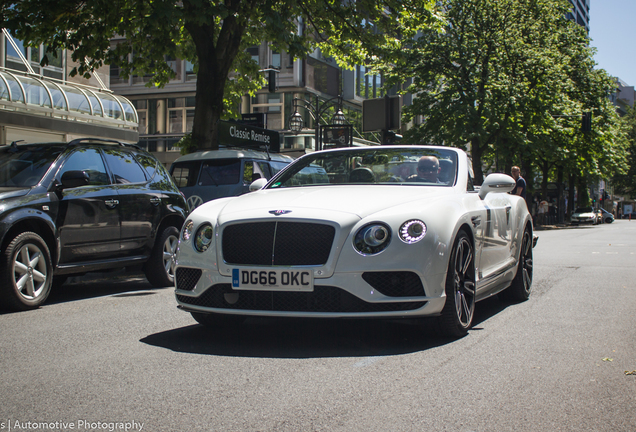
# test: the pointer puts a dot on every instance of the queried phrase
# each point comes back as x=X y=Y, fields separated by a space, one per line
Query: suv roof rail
x=79 y=141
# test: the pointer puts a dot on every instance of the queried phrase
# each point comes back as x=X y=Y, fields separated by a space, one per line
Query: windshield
x=373 y=165
x=24 y=165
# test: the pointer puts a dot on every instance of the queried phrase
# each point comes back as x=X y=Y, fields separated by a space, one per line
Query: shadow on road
x=314 y=338
x=120 y=282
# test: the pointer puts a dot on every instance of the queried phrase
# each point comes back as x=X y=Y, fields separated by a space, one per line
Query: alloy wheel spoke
x=35 y=259
x=30 y=287
x=469 y=287
x=20 y=267
x=39 y=276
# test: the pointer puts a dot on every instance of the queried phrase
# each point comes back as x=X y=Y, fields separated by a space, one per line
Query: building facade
x=580 y=13
x=311 y=86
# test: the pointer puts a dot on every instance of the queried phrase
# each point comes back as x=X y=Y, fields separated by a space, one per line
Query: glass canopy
x=46 y=96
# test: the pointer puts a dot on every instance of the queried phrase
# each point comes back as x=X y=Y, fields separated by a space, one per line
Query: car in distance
x=607 y=217
x=207 y=175
x=584 y=215
x=88 y=205
x=352 y=233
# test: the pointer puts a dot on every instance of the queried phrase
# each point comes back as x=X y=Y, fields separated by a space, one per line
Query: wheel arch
x=41 y=227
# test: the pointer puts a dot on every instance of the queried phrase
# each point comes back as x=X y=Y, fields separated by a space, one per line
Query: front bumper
x=366 y=294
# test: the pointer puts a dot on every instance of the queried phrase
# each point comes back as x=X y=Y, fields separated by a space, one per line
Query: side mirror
x=258 y=184
x=497 y=183
x=72 y=179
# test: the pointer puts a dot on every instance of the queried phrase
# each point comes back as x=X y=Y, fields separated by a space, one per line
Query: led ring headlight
x=412 y=231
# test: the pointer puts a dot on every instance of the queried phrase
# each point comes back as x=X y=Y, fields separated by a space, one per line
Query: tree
x=508 y=79
x=625 y=182
x=213 y=34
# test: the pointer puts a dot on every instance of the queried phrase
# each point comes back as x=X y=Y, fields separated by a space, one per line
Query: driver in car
x=427 y=170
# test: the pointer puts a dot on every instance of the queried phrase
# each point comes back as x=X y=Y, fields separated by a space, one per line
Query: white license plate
x=270 y=279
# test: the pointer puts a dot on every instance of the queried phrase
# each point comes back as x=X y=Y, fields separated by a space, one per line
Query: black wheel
x=457 y=315
x=159 y=268
x=26 y=272
x=521 y=286
x=212 y=320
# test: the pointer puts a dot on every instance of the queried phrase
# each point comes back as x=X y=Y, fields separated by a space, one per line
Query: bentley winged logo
x=279 y=212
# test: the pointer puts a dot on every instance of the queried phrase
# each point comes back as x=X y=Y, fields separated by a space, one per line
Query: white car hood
x=318 y=201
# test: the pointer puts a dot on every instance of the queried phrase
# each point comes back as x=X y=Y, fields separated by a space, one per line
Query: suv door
x=139 y=207
x=88 y=216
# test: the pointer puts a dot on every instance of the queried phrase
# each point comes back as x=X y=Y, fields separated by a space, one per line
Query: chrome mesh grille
x=277 y=243
x=187 y=278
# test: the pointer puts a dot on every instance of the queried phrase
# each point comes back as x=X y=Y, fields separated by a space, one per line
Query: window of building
x=34 y=55
x=180 y=114
x=253 y=52
x=141 y=106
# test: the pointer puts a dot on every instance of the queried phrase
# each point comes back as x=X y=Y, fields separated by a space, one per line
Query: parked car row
x=587 y=215
x=96 y=205
x=390 y=231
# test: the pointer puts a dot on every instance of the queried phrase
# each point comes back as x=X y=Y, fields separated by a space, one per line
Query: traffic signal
x=271 y=85
x=586 y=122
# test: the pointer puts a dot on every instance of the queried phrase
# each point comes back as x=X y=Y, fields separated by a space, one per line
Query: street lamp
x=296 y=122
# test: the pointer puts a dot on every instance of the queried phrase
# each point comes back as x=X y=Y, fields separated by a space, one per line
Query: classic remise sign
x=234 y=134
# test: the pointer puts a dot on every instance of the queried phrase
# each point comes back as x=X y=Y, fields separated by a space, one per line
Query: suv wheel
x=26 y=272
x=159 y=268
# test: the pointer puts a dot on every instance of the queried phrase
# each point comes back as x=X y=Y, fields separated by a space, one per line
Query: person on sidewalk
x=520 y=187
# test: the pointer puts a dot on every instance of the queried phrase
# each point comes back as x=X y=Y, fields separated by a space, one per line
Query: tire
x=26 y=272
x=212 y=320
x=521 y=286
x=457 y=315
x=160 y=267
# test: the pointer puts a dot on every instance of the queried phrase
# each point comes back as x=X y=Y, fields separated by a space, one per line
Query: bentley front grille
x=322 y=299
x=277 y=243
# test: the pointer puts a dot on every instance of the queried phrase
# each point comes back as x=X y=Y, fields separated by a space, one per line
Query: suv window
x=185 y=174
x=90 y=161
x=25 y=166
x=255 y=170
x=220 y=172
x=124 y=167
x=148 y=163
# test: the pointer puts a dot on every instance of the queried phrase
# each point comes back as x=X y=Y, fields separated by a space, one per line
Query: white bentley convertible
x=385 y=231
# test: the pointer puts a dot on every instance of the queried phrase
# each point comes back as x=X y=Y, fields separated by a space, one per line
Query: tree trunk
x=216 y=58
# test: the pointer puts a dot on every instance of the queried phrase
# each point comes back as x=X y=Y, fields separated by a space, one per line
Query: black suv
x=88 y=205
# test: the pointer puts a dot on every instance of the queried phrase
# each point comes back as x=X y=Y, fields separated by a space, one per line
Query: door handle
x=112 y=203
x=155 y=200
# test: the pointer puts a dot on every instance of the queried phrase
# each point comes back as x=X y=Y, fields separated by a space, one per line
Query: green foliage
x=625 y=181
x=509 y=79
x=214 y=36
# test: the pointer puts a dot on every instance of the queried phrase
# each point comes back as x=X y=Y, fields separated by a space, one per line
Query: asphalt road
x=110 y=353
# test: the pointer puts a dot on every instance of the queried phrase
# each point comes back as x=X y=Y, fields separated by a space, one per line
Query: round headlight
x=187 y=230
x=372 y=239
x=203 y=237
x=412 y=231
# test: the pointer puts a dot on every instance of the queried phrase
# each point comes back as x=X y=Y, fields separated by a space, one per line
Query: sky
x=612 y=34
